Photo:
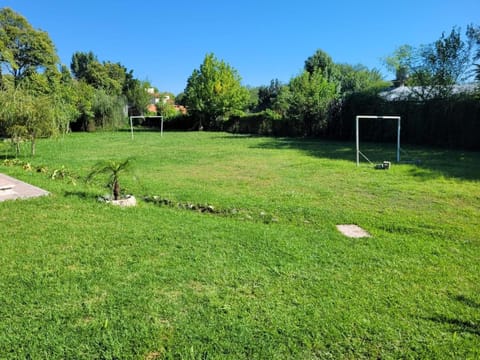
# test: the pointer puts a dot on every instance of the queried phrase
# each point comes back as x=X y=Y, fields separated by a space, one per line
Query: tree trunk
x=17 y=147
x=116 y=190
x=33 y=146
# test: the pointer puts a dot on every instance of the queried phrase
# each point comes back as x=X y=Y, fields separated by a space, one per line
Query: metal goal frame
x=379 y=117
x=143 y=117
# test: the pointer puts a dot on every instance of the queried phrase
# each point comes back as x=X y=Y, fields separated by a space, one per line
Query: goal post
x=143 y=117
x=379 y=117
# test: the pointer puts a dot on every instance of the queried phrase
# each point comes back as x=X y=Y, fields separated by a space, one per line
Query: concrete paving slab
x=11 y=189
x=353 y=231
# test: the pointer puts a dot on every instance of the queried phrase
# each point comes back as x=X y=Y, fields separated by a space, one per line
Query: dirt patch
x=353 y=231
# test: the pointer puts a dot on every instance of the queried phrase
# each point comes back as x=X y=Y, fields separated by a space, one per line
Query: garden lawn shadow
x=431 y=163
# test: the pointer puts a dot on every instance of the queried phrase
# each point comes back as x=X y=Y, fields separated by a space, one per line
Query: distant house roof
x=419 y=92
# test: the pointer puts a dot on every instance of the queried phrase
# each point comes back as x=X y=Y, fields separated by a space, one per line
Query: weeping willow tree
x=108 y=109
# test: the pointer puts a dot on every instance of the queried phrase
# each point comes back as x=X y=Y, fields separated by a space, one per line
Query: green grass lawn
x=268 y=277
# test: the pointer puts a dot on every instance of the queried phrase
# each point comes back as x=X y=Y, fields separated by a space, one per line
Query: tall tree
x=112 y=86
x=400 y=63
x=84 y=100
x=180 y=99
x=473 y=33
x=358 y=78
x=107 y=76
x=268 y=95
x=434 y=68
x=23 y=50
x=446 y=60
x=116 y=75
x=323 y=63
x=58 y=87
x=80 y=64
x=137 y=96
x=214 y=90
x=309 y=97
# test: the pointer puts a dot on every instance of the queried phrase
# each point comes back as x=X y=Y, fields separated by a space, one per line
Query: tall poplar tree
x=214 y=91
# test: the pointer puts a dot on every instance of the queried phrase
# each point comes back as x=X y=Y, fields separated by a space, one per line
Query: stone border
x=129 y=200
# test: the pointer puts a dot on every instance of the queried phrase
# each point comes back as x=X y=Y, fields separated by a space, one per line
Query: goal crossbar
x=379 y=117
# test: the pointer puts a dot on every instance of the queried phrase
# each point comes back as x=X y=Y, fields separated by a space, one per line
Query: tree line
x=39 y=97
x=214 y=93
x=325 y=97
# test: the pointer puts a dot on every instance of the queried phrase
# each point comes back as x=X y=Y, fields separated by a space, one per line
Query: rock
x=129 y=200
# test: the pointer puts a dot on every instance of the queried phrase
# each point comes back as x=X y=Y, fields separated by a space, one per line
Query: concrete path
x=11 y=189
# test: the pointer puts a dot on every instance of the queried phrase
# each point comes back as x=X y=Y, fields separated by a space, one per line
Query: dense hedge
x=262 y=123
x=453 y=123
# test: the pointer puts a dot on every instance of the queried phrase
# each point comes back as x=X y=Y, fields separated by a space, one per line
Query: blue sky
x=164 y=41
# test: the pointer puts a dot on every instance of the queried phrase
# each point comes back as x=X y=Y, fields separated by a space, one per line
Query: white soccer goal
x=143 y=117
x=357 y=131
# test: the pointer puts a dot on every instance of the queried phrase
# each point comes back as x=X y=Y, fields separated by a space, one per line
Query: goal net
x=357 y=133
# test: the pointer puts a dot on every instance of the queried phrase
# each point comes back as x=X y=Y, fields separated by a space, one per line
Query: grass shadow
x=459 y=325
x=142 y=129
x=81 y=195
x=6 y=156
x=238 y=136
x=429 y=162
x=466 y=301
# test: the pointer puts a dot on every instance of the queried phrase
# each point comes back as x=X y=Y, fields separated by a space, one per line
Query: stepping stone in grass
x=353 y=231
